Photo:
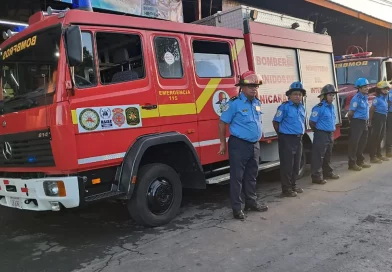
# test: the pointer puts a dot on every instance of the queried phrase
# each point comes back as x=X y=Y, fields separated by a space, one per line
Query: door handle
x=149 y=107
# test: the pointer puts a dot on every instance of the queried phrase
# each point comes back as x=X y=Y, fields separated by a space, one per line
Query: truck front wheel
x=157 y=197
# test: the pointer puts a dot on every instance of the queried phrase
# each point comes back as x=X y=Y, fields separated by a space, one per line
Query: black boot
x=239 y=215
x=332 y=176
x=320 y=181
x=256 y=207
x=289 y=193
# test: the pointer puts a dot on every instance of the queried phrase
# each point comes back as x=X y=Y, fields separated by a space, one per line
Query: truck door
x=114 y=101
x=176 y=99
x=278 y=68
x=317 y=70
x=214 y=76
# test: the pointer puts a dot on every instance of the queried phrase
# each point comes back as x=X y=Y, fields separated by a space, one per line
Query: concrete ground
x=344 y=225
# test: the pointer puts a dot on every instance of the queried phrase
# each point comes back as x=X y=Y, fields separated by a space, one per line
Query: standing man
x=289 y=124
x=358 y=115
x=322 y=121
x=243 y=114
x=389 y=125
x=378 y=117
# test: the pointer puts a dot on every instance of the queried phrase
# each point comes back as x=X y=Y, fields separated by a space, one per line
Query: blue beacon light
x=82 y=4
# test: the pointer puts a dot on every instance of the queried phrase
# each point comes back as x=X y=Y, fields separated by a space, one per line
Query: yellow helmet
x=383 y=85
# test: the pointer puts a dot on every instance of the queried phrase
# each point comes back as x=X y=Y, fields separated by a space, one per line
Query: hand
x=222 y=149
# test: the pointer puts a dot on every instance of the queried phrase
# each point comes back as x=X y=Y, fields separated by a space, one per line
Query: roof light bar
x=354 y=56
x=82 y=4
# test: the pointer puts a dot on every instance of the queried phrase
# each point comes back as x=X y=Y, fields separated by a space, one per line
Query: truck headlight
x=54 y=188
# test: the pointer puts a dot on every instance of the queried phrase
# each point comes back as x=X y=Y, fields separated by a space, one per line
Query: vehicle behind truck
x=99 y=106
x=352 y=66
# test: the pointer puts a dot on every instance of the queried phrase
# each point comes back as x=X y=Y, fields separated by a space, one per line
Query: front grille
x=29 y=149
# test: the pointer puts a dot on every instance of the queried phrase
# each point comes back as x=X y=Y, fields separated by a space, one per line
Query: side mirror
x=73 y=41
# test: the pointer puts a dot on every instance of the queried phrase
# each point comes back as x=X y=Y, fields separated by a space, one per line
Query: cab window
x=212 y=59
x=168 y=56
x=85 y=74
x=388 y=70
x=120 y=57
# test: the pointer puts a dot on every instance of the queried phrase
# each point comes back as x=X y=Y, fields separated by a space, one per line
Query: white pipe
x=5 y=22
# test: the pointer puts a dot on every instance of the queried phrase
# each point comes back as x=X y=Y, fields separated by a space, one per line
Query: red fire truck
x=98 y=106
x=355 y=64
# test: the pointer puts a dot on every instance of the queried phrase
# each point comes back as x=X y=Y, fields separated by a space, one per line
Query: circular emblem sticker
x=219 y=101
x=105 y=113
x=278 y=113
x=169 y=58
x=355 y=104
x=89 y=119
x=314 y=114
x=133 y=116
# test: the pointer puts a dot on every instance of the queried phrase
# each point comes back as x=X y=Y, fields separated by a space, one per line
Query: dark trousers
x=377 y=134
x=244 y=163
x=290 y=152
x=389 y=133
x=321 y=154
x=357 y=141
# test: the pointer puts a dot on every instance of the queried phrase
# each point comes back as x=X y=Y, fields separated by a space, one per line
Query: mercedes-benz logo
x=4 y=123
x=7 y=151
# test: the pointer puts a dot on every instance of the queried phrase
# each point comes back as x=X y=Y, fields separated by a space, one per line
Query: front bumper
x=29 y=194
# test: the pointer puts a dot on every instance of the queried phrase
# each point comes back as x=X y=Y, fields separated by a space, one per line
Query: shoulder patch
x=319 y=104
x=234 y=98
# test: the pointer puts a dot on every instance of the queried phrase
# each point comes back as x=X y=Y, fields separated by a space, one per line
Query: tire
x=157 y=197
x=302 y=164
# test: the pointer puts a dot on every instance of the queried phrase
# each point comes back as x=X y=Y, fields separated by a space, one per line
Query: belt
x=293 y=135
x=243 y=140
x=324 y=131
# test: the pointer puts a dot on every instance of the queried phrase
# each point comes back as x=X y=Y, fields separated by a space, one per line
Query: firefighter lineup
x=243 y=115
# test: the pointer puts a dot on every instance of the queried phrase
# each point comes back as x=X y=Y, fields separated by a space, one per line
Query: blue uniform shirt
x=390 y=100
x=291 y=118
x=323 y=115
x=381 y=104
x=359 y=105
x=244 y=117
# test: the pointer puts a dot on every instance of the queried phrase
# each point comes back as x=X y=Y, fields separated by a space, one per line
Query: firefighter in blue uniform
x=289 y=124
x=378 y=117
x=358 y=115
x=243 y=115
x=389 y=125
x=322 y=121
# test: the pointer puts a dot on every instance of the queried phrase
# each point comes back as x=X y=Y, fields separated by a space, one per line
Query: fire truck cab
x=98 y=106
x=352 y=66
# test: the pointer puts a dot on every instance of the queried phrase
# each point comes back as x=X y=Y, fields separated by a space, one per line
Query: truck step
x=226 y=177
x=105 y=195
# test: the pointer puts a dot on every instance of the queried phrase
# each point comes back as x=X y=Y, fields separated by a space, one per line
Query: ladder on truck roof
x=233 y=18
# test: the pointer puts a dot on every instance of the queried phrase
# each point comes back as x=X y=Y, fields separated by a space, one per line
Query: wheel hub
x=160 y=196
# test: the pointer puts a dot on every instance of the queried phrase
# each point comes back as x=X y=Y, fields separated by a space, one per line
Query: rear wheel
x=157 y=196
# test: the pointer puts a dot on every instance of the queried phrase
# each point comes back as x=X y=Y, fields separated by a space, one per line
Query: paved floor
x=344 y=225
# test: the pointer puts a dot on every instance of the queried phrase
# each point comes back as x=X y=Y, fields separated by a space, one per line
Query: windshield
x=29 y=66
x=348 y=72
